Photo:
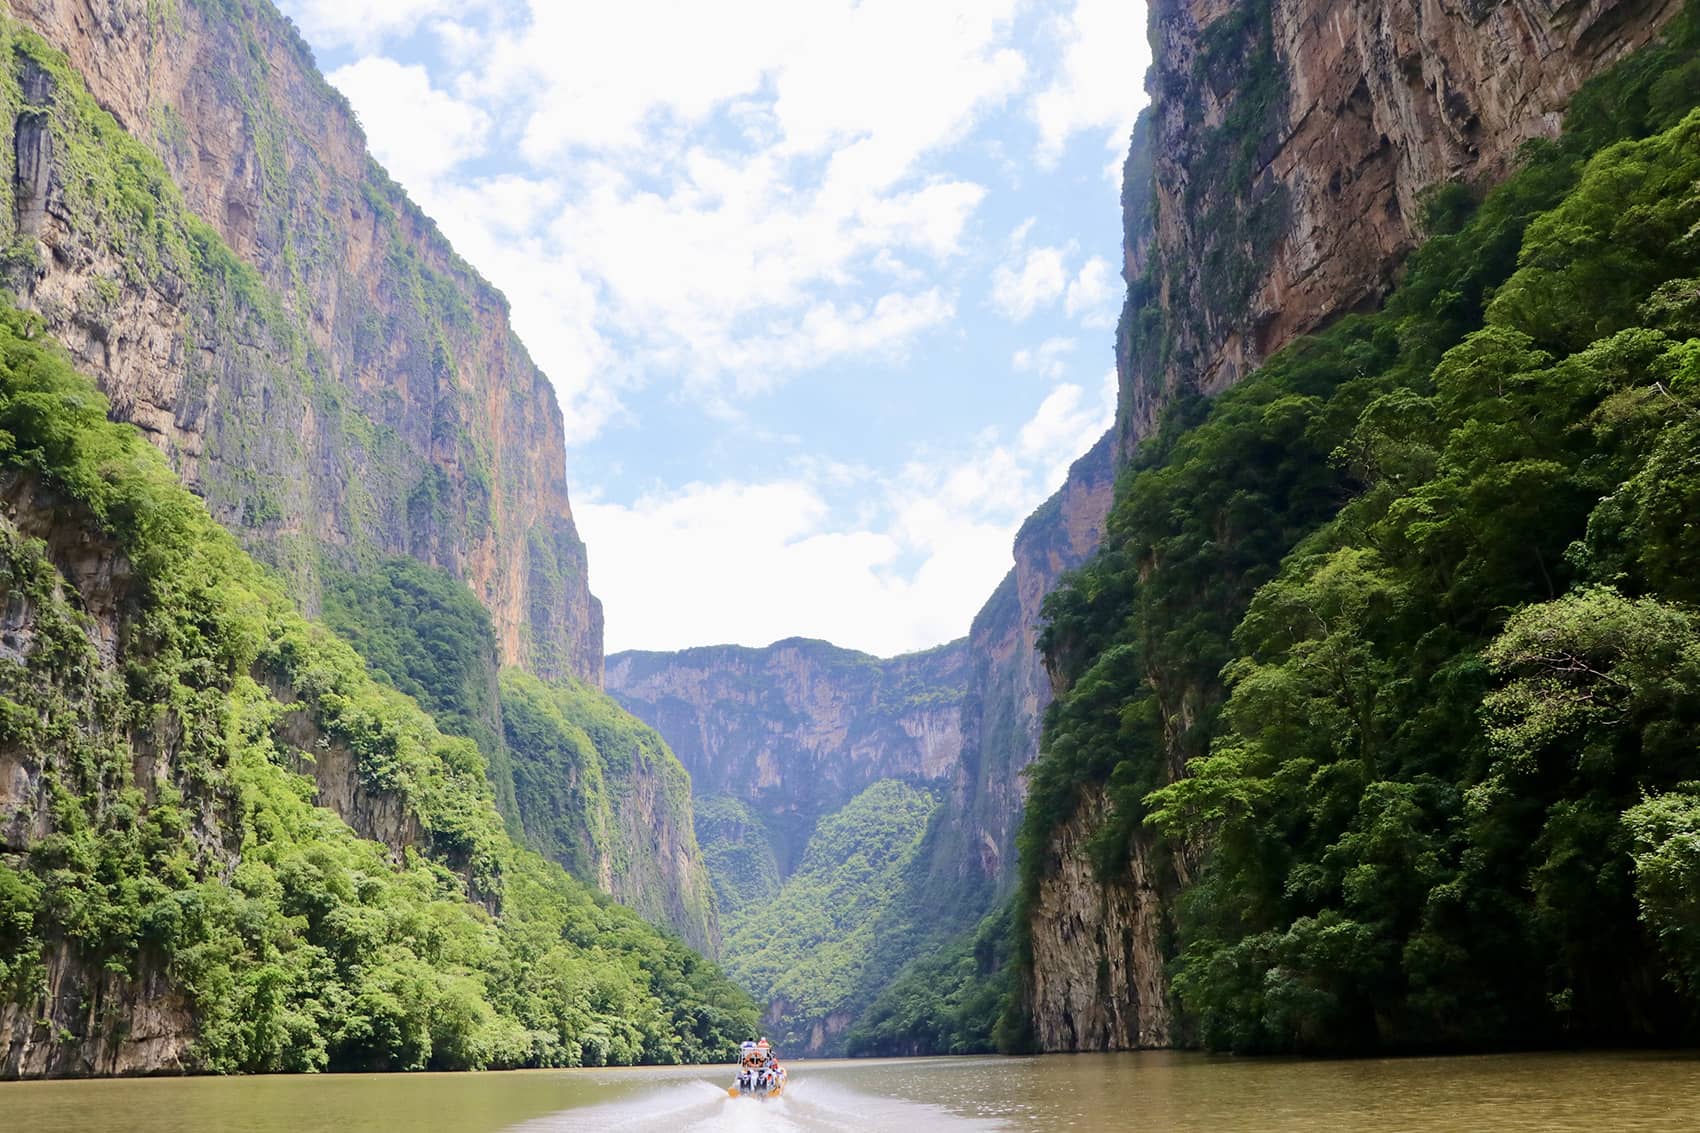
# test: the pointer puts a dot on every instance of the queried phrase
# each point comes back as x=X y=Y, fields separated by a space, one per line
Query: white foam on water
x=700 y=1106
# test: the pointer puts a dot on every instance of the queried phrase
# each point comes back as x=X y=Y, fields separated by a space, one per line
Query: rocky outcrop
x=1101 y=983
x=98 y=1024
x=416 y=422
x=972 y=849
x=799 y=728
x=1292 y=142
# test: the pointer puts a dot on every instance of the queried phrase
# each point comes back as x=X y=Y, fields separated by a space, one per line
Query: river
x=1182 y=1093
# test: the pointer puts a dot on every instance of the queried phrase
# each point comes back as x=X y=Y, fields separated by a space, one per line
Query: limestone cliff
x=417 y=423
x=799 y=728
x=177 y=894
x=1274 y=184
x=600 y=793
x=1291 y=142
x=75 y=644
x=191 y=210
x=971 y=848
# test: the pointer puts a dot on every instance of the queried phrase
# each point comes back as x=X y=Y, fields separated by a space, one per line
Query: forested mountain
x=171 y=898
x=1377 y=723
x=227 y=844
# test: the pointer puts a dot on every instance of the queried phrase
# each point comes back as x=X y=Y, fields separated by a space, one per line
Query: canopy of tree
x=1398 y=641
x=298 y=945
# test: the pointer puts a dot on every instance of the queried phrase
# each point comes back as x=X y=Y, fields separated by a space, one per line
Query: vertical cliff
x=971 y=848
x=1276 y=183
x=799 y=728
x=224 y=846
x=419 y=424
x=1291 y=142
x=191 y=210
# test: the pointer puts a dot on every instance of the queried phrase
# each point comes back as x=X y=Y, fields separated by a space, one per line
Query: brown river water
x=1181 y=1092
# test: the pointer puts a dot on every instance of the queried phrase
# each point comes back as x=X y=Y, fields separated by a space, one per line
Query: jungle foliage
x=421 y=630
x=596 y=789
x=948 y=1001
x=164 y=709
x=739 y=856
x=569 y=767
x=1397 y=640
x=806 y=951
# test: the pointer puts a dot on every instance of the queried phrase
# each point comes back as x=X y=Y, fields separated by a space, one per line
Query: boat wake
x=807 y=1107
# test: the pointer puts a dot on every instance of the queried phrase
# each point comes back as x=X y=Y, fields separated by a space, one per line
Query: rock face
x=971 y=850
x=192 y=212
x=75 y=591
x=1101 y=985
x=799 y=728
x=1276 y=183
x=1292 y=142
x=599 y=792
x=418 y=424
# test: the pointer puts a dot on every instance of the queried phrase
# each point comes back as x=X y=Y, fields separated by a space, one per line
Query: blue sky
x=827 y=288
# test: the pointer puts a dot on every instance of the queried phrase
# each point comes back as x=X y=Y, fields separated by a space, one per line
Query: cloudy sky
x=827 y=288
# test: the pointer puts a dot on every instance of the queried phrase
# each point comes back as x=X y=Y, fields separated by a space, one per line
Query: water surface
x=1170 y=1092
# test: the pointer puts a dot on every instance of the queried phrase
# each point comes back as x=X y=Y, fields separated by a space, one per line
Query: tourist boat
x=754 y=1079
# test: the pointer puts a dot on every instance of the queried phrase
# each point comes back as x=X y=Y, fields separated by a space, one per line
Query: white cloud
x=1099 y=81
x=785 y=557
x=416 y=131
x=694 y=181
x=365 y=23
x=828 y=330
x=1048 y=359
x=1034 y=280
x=1093 y=294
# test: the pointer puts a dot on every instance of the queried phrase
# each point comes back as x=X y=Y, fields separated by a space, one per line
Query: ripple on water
x=807 y=1107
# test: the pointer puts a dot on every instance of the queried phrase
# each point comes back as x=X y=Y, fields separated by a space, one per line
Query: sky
x=827 y=289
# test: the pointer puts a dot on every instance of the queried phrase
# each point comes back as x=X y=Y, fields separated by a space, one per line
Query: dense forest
x=810 y=950
x=1389 y=659
x=1391 y=652
x=567 y=764
x=170 y=707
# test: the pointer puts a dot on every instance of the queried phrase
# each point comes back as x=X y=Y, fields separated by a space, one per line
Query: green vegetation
x=155 y=688
x=1398 y=637
x=423 y=632
x=599 y=791
x=948 y=1001
x=577 y=778
x=806 y=951
x=740 y=859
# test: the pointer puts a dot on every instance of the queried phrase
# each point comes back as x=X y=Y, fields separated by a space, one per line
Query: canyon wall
x=1292 y=142
x=190 y=209
x=1276 y=183
x=797 y=729
x=970 y=852
x=417 y=422
x=780 y=740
